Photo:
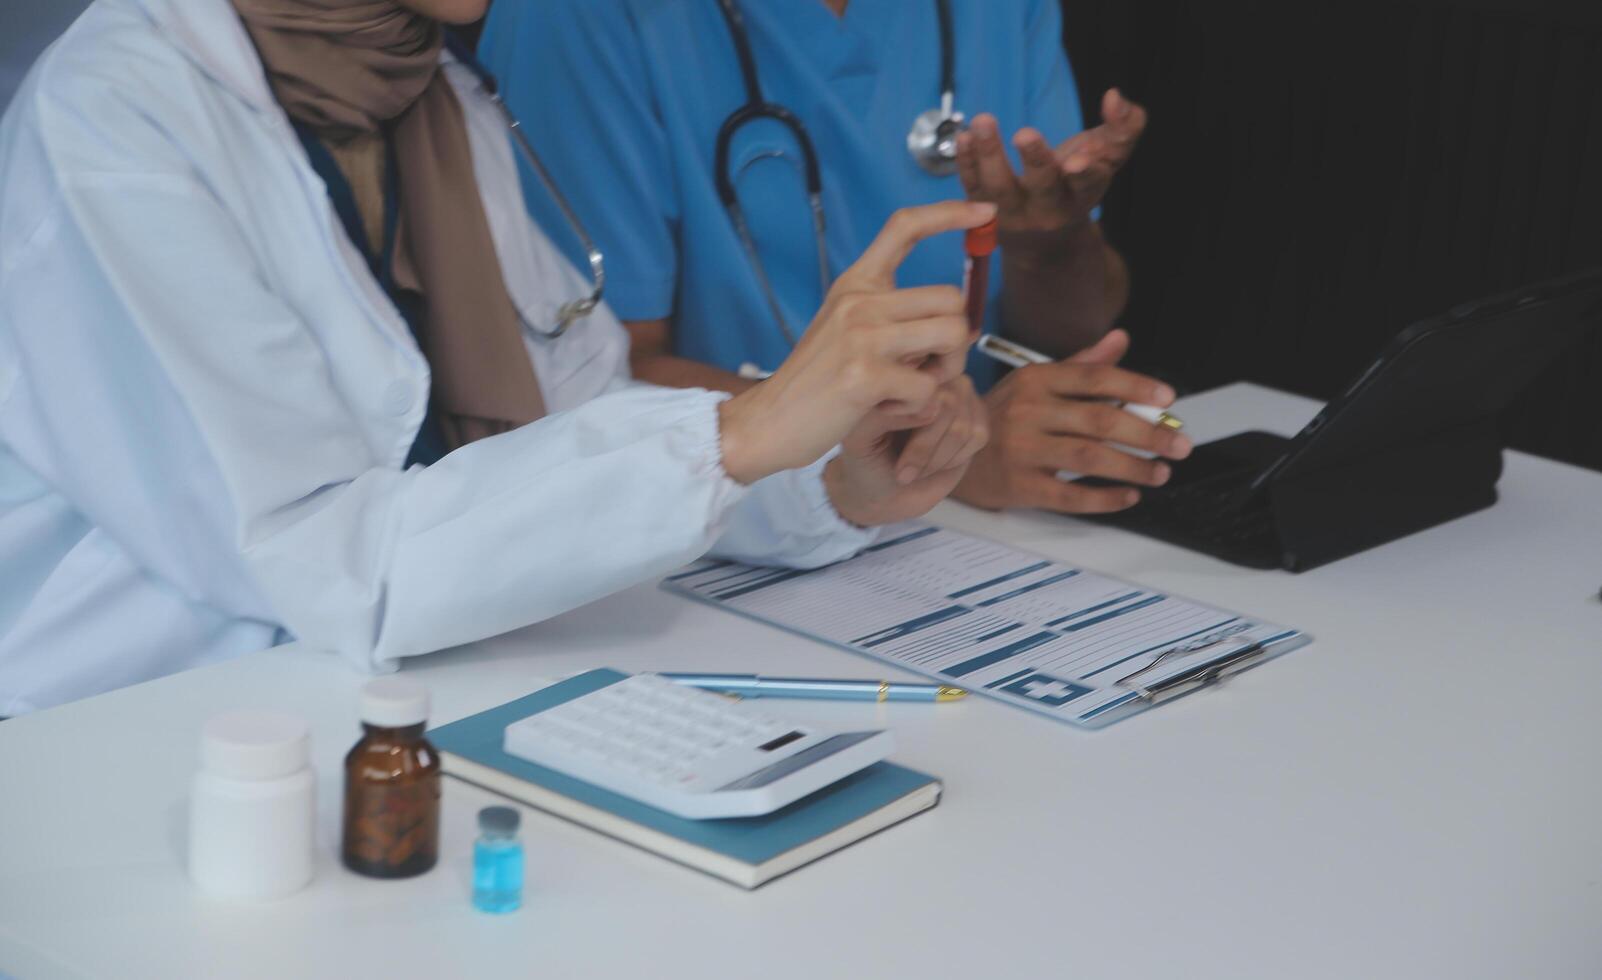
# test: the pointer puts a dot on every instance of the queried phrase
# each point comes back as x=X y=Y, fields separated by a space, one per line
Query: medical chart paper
x=995 y=620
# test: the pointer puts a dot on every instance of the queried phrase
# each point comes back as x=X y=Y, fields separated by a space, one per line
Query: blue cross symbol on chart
x=1053 y=691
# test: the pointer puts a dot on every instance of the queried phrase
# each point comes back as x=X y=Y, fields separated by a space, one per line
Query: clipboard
x=1001 y=622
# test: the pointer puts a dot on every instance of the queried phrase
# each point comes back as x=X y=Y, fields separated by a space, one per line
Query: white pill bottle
x=252 y=812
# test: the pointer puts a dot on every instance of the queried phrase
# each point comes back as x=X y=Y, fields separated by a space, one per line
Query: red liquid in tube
x=979 y=243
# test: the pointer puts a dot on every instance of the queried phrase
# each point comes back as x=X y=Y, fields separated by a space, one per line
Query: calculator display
x=782 y=741
x=794 y=763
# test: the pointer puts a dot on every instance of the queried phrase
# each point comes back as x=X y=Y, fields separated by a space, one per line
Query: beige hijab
x=347 y=69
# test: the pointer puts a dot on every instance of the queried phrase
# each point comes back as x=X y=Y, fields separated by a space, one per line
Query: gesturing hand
x=1058 y=188
x=871 y=348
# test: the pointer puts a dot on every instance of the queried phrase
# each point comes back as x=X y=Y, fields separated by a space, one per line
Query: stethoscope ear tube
x=948 y=55
x=932 y=143
x=749 y=113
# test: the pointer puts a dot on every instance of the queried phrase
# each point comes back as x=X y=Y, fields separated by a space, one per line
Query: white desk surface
x=1417 y=794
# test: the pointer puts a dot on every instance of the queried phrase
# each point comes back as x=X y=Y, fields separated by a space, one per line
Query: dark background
x=1317 y=176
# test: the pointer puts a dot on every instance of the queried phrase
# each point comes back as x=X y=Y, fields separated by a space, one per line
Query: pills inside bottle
x=392 y=785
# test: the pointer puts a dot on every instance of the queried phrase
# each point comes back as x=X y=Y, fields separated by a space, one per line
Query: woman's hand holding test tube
x=876 y=362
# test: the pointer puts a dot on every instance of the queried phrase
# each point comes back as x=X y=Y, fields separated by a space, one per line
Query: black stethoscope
x=932 y=143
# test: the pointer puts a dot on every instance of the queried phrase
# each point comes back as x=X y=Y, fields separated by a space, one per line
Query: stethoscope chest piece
x=932 y=141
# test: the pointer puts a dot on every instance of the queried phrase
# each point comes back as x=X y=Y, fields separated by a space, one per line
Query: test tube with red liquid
x=979 y=243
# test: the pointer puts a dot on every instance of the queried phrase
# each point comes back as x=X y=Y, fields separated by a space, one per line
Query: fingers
x=1110 y=349
x=905 y=229
x=1109 y=423
x=915 y=340
x=958 y=434
x=926 y=327
x=1047 y=492
x=1090 y=438
x=1126 y=119
x=1039 y=162
x=918 y=418
x=1090 y=457
x=923 y=447
x=1090 y=171
x=906 y=391
x=978 y=439
x=968 y=167
x=1100 y=152
x=921 y=302
x=991 y=170
x=1073 y=379
x=975 y=421
x=952 y=365
x=1122 y=124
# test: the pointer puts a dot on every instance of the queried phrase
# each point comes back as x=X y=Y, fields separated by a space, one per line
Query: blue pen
x=753 y=686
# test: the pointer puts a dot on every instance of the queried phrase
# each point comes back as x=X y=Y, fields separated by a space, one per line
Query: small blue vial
x=497 y=861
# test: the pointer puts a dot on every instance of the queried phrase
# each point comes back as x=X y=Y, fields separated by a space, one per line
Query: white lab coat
x=206 y=400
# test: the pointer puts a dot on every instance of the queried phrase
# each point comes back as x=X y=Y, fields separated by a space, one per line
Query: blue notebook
x=747 y=851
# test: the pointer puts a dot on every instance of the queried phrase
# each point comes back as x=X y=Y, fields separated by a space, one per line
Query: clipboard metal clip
x=1197 y=676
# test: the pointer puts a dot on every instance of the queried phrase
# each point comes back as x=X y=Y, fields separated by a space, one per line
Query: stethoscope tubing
x=932 y=158
x=572 y=311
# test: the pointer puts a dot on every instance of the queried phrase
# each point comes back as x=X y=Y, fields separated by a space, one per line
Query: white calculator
x=690 y=752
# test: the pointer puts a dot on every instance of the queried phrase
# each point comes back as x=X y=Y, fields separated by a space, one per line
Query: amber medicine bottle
x=392 y=785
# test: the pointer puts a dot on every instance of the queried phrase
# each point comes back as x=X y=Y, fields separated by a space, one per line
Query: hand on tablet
x=1043 y=420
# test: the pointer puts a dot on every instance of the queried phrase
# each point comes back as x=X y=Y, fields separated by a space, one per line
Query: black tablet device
x=1412 y=442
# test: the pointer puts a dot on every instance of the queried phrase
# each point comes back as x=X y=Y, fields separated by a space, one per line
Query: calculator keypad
x=655 y=730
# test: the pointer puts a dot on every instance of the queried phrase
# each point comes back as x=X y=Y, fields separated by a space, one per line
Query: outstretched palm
x=1059 y=187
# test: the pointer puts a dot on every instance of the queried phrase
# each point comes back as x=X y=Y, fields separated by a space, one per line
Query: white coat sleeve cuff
x=506 y=531
x=789 y=520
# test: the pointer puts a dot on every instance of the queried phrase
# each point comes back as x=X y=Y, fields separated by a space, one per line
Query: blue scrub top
x=624 y=98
